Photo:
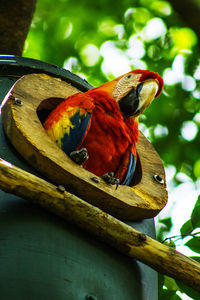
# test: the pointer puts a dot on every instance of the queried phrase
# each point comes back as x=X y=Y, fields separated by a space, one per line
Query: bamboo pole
x=114 y=232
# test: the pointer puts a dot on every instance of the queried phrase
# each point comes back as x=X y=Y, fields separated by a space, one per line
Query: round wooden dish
x=30 y=100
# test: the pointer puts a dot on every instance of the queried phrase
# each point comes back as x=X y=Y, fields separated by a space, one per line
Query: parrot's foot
x=79 y=156
x=110 y=179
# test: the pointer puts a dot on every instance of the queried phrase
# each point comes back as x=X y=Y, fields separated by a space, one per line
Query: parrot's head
x=135 y=91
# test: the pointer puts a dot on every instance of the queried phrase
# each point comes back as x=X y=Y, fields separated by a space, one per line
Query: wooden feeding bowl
x=28 y=103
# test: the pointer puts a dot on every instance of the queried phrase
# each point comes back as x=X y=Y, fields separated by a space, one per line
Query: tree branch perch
x=114 y=232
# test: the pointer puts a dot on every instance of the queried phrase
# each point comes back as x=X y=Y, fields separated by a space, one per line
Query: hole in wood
x=47 y=105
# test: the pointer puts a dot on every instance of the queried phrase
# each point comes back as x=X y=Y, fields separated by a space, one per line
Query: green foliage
x=190 y=292
x=186 y=228
x=194 y=221
x=101 y=40
x=173 y=290
x=170 y=290
x=194 y=244
x=167 y=222
x=195 y=217
x=191 y=228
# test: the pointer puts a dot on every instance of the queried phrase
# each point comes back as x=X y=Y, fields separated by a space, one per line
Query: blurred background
x=100 y=40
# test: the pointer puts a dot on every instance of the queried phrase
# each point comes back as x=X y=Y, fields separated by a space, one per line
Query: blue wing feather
x=77 y=132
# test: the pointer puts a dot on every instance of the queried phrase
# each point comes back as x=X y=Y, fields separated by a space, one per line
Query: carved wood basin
x=23 y=110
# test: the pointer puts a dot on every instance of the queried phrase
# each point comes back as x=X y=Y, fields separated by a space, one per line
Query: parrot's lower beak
x=130 y=103
x=137 y=100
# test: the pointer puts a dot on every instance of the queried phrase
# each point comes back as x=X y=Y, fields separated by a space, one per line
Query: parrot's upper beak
x=139 y=98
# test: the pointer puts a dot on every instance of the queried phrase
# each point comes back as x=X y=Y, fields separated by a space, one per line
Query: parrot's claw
x=79 y=156
x=110 y=179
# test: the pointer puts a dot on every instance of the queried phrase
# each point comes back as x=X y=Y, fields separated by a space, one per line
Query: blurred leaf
x=197 y=202
x=162 y=7
x=196 y=168
x=170 y=243
x=164 y=226
x=107 y=27
x=194 y=244
x=183 y=38
x=168 y=295
x=141 y=15
x=160 y=281
x=188 y=290
x=195 y=217
x=186 y=228
x=170 y=283
x=167 y=222
x=154 y=52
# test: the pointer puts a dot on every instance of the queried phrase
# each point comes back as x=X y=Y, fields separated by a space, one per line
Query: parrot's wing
x=76 y=131
x=69 y=123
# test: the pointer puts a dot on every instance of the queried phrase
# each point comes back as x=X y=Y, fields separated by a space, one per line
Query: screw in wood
x=95 y=179
x=18 y=101
x=61 y=188
x=158 y=178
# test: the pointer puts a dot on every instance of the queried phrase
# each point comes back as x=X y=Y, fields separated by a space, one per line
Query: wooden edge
x=25 y=131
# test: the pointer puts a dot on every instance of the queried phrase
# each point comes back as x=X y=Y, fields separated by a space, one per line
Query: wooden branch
x=114 y=232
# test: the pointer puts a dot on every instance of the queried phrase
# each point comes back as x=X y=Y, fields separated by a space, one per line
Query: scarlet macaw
x=99 y=128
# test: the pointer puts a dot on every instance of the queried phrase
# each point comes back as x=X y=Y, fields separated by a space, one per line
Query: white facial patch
x=125 y=85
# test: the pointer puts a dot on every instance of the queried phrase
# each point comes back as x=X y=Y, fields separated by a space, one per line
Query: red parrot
x=99 y=128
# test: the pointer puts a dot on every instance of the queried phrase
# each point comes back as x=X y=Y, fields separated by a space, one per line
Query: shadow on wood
x=37 y=95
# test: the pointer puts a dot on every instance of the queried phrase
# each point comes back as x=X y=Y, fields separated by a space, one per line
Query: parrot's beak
x=139 y=98
x=147 y=94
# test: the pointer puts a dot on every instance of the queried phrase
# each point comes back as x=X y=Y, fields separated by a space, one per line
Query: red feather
x=109 y=136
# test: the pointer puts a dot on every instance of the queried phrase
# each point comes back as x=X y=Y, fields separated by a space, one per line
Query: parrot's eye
x=128 y=76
